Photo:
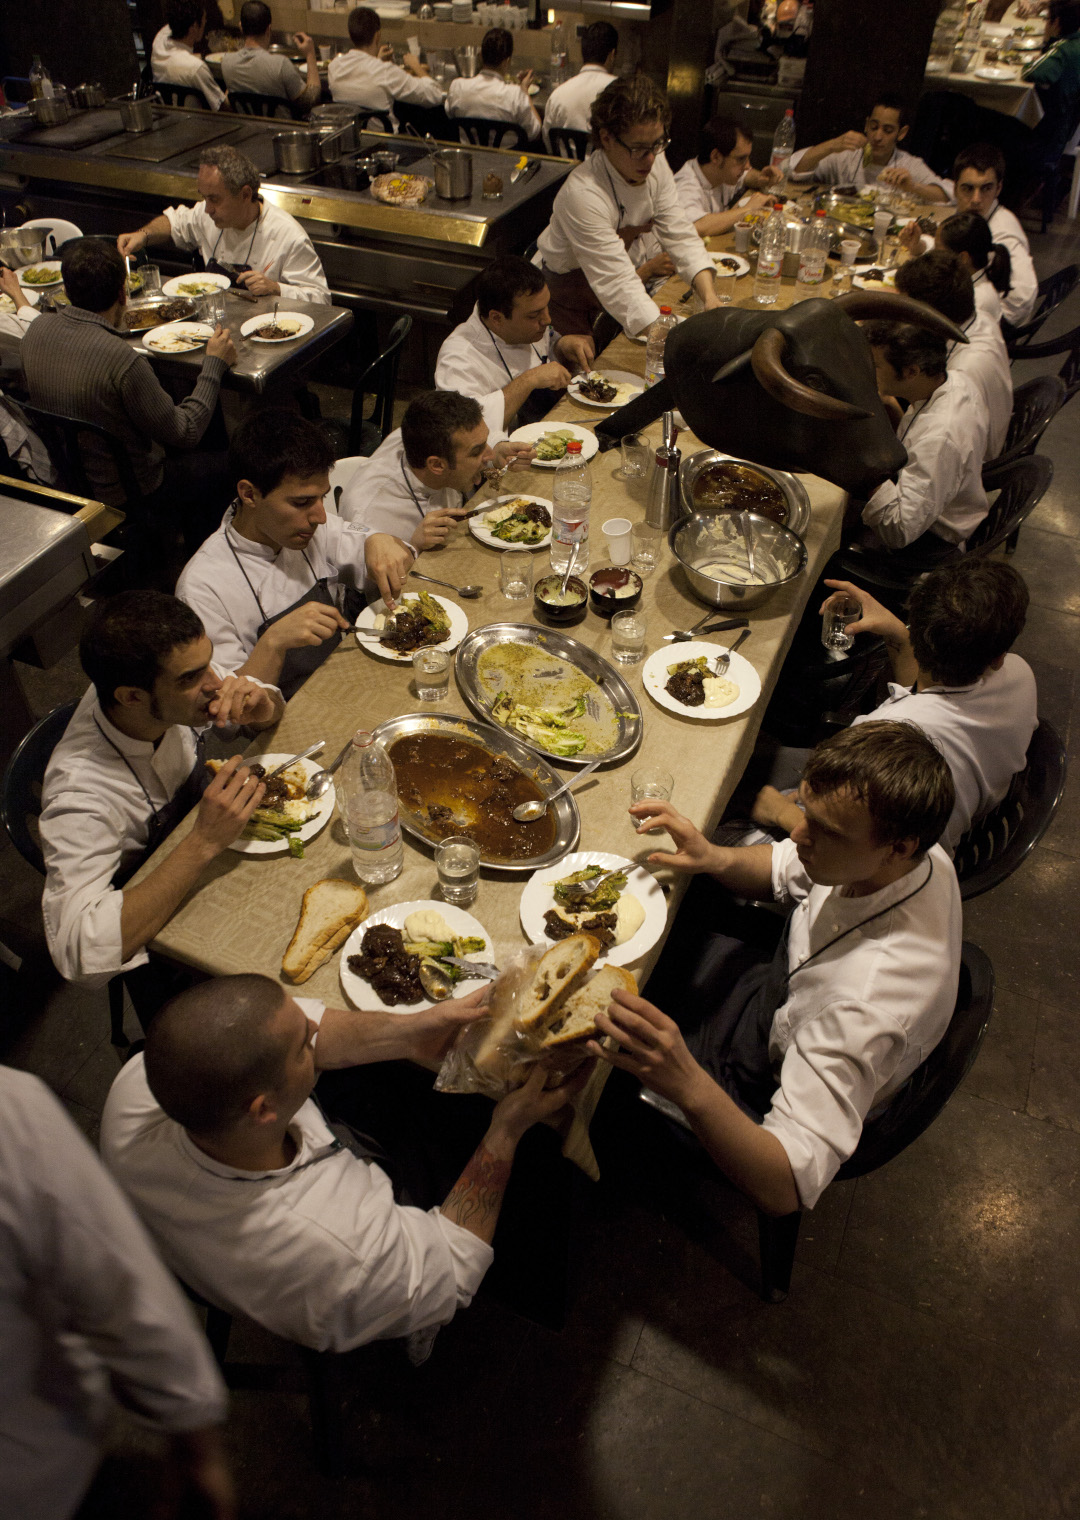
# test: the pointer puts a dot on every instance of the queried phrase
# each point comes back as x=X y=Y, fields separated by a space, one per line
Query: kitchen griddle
x=82 y=131
x=160 y=143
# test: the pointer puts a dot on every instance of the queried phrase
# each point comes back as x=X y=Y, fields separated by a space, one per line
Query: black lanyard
x=251 y=245
x=502 y=358
x=251 y=588
x=408 y=487
x=864 y=921
x=131 y=768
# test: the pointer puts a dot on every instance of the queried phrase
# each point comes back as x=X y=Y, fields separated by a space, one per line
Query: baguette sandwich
x=331 y=910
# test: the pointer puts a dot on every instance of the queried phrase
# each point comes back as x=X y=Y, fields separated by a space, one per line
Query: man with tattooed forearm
x=259 y=1204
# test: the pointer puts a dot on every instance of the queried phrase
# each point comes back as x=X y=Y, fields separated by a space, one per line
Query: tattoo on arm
x=476 y=1197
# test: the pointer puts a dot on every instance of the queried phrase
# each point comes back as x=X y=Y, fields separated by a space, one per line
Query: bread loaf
x=523 y=998
x=329 y=913
x=576 y=1019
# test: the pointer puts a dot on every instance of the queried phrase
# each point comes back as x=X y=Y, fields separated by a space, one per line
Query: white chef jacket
x=475 y=362
x=317 y=1251
x=173 y=62
x=698 y=197
x=275 y=243
x=13 y=324
x=570 y=104
x=985 y=360
x=383 y=495
x=861 y=1017
x=213 y=584
x=257 y=70
x=1018 y=303
x=847 y=168
x=489 y=95
x=594 y=202
x=940 y=488
x=84 y=1301
x=987 y=299
x=359 y=79
x=983 y=730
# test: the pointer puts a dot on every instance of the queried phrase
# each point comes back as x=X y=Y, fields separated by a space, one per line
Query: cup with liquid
x=742 y=237
x=651 y=783
x=725 y=285
x=457 y=861
x=647 y=543
x=431 y=674
x=628 y=630
x=840 y=610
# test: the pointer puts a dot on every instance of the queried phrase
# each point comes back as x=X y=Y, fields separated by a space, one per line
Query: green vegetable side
x=519 y=530
x=601 y=901
x=551 y=730
x=553 y=445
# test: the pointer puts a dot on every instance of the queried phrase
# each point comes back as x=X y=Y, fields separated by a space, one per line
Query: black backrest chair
x=415 y=121
x=1022 y=485
x=1035 y=405
x=384 y=122
x=483 y=132
x=995 y=845
x=947 y=121
x=251 y=103
x=186 y=96
x=907 y=1114
x=1069 y=345
x=1052 y=291
x=380 y=378
x=568 y=143
x=63 y=436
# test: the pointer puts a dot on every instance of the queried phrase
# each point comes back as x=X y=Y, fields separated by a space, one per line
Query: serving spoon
x=528 y=812
x=319 y=781
x=470 y=592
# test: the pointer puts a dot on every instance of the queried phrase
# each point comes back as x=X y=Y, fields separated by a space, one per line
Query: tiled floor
x=925 y=1363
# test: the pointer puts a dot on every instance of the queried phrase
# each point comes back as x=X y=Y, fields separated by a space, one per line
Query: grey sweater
x=76 y=364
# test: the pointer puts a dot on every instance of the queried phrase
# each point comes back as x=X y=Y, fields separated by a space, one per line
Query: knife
x=520 y=176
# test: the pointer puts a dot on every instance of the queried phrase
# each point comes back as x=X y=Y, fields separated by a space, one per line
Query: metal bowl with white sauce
x=712 y=552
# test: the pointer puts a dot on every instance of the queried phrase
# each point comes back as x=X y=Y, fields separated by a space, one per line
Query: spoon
x=319 y=781
x=284 y=766
x=435 y=981
x=528 y=812
x=744 y=524
x=724 y=660
x=470 y=592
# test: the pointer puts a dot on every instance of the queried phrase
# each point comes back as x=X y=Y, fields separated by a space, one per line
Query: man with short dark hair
x=872 y=156
x=76 y=363
x=953 y=678
x=127 y=770
x=710 y=184
x=237 y=233
x=490 y=94
x=418 y=480
x=257 y=1204
x=253 y=69
x=506 y=354
x=774 y=1054
x=173 y=56
x=368 y=76
x=940 y=279
x=272 y=583
x=569 y=103
x=978 y=177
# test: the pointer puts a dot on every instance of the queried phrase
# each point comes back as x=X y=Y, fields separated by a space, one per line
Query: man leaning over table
x=173 y=59
x=710 y=184
x=418 y=480
x=872 y=157
x=128 y=768
x=279 y=580
x=236 y=232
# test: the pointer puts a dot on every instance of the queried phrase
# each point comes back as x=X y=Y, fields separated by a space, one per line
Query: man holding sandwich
x=774 y=1058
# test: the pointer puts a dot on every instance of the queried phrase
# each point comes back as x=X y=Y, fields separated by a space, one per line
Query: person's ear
x=903 y=132
x=249 y=494
x=904 y=849
x=996 y=664
x=262 y=1110
x=131 y=696
x=435 y=464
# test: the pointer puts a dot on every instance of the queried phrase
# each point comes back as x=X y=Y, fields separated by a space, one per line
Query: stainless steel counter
x=44 y=560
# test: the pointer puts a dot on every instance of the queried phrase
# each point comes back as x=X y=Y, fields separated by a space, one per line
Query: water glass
x=725 y=285
x=515 y=574
x=882 y=223
x=628 y=631
x=150 y=274
x=840 y=610
x=431 y=674
x=619 y=534
x=212 y=308
x=651 y=783
x=849 y=248
x=647 y=541
x=457 y=860
x=742 y=237
x=635 y=456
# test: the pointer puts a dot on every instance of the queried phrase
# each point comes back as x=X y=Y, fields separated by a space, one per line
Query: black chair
x=483 y=132
x=908 y=1113
x=63 y=436
x=383 y=120
x=1069 y=345
x=185 y=96
x=1052 y=291
x=947 y=121
x=17 y=91
x=1022 y=485
x=1035 y=405
x=415 y=121
x=251 y=103
x=20 y=802
x=995 y=845
x=568 y=143
x=380 y=379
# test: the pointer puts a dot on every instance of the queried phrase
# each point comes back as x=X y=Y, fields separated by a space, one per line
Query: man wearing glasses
x=594 y=249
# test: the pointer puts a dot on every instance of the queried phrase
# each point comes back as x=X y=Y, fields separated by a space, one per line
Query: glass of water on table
x=457 y=860
x=840 y=610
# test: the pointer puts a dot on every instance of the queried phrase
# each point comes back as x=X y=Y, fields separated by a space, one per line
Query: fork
x=724 y=660
x=680 y=636
x=587 y=888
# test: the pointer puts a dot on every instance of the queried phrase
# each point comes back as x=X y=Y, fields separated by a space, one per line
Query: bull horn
x=891 y=306
x=732 y=368
x=768 y=361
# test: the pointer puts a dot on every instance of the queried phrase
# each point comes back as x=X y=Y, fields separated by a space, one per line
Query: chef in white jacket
x=979 y=174
x=570 y=104
x=490 y=94
x=622 y=191
x=173 y=59
x=368 y=76
x=236 y=232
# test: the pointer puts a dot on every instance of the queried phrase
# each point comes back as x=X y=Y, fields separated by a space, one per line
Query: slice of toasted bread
x=563 y=968
x=576 y=1019
x=329 y=913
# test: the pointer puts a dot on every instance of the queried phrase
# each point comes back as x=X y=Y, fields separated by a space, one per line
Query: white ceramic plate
x=633 y=385
x=477 y=529
x=744 y=264
x=643 y=337
x=654 y=677
x=298 y=320
x=203 y=277
x=52 y=265
x=160 y=340
x=214 y=57
x=997 y=75
x=362 y=994
x=8 y=305
x=459 y=627
x=537 y=898
x=324 y=812
x=888 y=283
x=534 y=431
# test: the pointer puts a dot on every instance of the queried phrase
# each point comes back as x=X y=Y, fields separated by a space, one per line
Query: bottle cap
x=665 y=311
x=573 y=446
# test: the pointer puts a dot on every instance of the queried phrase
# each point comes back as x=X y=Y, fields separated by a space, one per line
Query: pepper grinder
x=662 y=502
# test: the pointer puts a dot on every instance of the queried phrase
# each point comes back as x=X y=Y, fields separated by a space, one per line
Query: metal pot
x=136 y=115
x=468 y=61
x=453 y=174
x=332 y=144
x=338 y=117
x=798 y=502
x=51 y=112
x=296 y=152
x=23 y=245
x=88 y=96
x=707 y=537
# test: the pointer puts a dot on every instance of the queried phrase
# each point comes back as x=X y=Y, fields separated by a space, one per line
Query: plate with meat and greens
x=380 y=961
x=513 y=522
x=681 y=678
x=419 y=621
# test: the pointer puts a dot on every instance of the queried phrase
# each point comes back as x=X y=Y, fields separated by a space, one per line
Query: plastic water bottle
x=654 y=349
x=770 y=263
x=812 y=255
x=371 y=810
x=783 y=143
x=571 y=497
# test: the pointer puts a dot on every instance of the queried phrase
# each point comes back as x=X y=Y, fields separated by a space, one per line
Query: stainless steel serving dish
x=23 y=245
x=703 y=537
x=584 y=659
x=135 y=115
x=497 y=742
x=155 y=303
x=798 y=502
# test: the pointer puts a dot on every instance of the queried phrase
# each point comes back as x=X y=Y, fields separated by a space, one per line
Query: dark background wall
x=859 y=48
x=78 y=43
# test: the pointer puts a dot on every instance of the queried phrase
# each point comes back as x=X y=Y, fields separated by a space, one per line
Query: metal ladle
x=528 y=812
x=470 y=592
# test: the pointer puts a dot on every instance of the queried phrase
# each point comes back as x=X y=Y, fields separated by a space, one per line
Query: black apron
x=230 y=271
x=539 y=402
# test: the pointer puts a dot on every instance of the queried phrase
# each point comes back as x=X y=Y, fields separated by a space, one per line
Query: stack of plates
x=462 y=10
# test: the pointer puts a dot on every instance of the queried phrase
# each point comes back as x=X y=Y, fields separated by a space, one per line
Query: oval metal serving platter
x=498 y=742
x=584 y=659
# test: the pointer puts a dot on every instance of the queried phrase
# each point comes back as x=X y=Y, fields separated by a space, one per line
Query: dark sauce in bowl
x=736 y=488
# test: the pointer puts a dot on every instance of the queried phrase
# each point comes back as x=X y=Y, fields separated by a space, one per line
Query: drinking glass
x=212 y=308
x=651 y=783
x=628 y=631
x=882 y=223
x=742 y=237
x=647 y=541
x=848 y=250
x=725 y=285
x=431 y=674
x=457 y=861
x=515 y=574
x=635 y=456
x=151 y=279
x=619 y=533
x=839 y=612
